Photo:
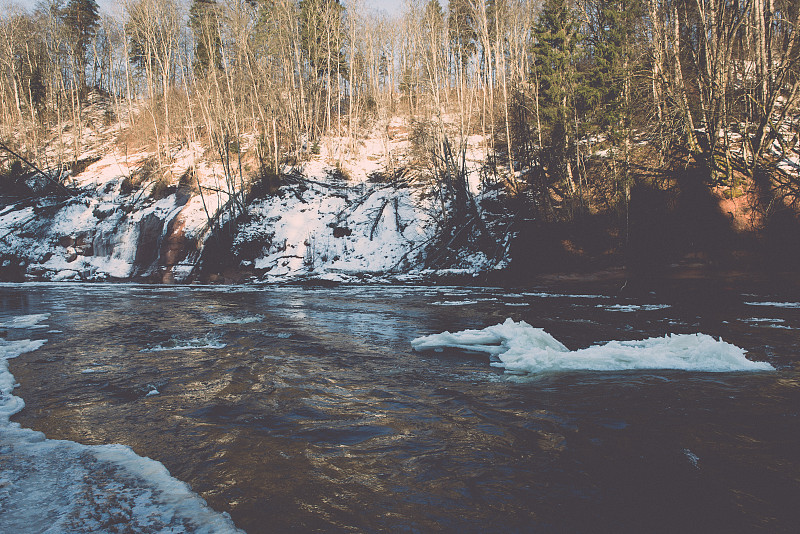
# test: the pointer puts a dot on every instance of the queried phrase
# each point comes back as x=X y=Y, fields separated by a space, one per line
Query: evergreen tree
x=606 y=87
x=461 y=27
x=433 y=43
x=322 y=35
x=81 y=19
x=555 y=54
x=207 y=43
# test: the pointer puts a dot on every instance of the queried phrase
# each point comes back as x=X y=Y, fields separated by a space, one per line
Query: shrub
x=162 y=189
x=12 y=179
x=128 y=186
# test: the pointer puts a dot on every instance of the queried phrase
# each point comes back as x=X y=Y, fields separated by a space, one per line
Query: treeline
x=547 y=82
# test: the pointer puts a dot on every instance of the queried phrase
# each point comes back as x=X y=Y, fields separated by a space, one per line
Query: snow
x=54 y=486
x=100 y=235
x=519 y=347
x=382 y=230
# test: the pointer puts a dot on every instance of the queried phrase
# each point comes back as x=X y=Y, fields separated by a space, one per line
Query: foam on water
x=775 y=304
x=562 y=295
x=234 y=319
x=519 y=347
x=627 y=308
x=55 y=486
x=209 y=341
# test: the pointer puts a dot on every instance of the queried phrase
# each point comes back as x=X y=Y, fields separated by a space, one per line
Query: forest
x=609 y=129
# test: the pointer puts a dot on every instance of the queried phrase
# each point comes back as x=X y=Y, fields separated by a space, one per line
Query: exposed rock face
x=100 y=238
x=148 y=245
x=179 y=253
x=340 y=231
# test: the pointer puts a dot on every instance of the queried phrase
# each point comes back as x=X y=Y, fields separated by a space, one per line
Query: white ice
x=627 y=308
x=775 y=304
x=519 y=347
x=54 y=486
x=234 y=319
x=209 y=341
x=25 y=321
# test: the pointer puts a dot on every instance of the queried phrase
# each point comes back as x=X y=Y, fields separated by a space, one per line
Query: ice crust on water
x=25 y=321
x=519 y=347
x=775 y=304
x=627 y=308
x=55 y=486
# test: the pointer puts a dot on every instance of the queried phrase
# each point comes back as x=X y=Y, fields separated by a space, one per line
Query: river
x=305 y=409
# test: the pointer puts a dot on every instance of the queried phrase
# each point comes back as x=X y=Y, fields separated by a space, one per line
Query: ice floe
x=234 y=319
x=519 y=347
x=454 y=303
x=627 y=308
x=26 y=321
x=209 y=341
x=54 y=486
x=775 y=304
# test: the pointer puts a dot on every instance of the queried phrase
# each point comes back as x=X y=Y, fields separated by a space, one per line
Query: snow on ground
x=326 y=231
x=341 y=215
x=98 y=235
x=519 y=347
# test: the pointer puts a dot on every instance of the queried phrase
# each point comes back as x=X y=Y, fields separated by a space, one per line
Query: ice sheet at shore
x=55 y=486
x=519 y=347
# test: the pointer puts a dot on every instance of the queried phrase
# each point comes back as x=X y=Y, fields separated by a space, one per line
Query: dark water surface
x=305 y=410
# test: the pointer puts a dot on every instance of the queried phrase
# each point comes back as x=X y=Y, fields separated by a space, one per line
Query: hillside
x=365 y=211
x=332 y=218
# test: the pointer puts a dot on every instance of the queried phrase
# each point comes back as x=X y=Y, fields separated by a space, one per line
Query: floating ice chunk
x=10 y=404
x=62 y=486
x=634 y=307
x=25 y=321
x=693 y=458
x=519 y=347
x=775 y=304
x=768 y=323
x=494 y=340
x=209 y=341
x=93 y=371
x=234 y=319
x=57 y=486
x=562 y=295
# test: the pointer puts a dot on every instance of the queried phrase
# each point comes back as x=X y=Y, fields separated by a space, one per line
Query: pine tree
x=207 y=43
x=81 y=19
x=555 y=53
x=321 y=35
x=433 y=28
x=606 y=87
x=461 y=27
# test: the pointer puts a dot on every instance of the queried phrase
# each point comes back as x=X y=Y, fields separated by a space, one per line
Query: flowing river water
x=302 y=409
